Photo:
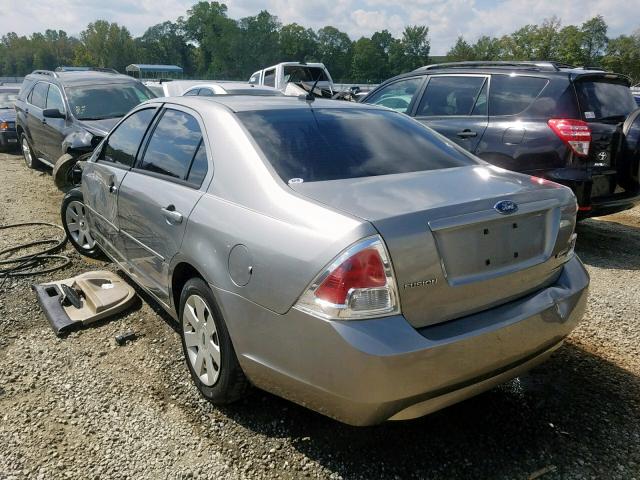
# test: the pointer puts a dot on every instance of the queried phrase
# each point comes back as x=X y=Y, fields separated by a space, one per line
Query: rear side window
x=205 y=92
x=38 y=96
x=192 y=93
x=602 y=100
x=122 y=145
x=513 y=95
x=173 y=146
x=270 y=78
x=397 y=95
x=310 y=145
x=450 y=95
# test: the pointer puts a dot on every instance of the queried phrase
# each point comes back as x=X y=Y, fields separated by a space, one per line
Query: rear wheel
x=207 y=347
x=28 y=154
x=75 y=223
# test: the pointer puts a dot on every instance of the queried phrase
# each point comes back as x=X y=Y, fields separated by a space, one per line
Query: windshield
x=297 y=73
x=97 y=102
x=8 y=98
x=157 y=90
x=600 y=100
x=310 y=145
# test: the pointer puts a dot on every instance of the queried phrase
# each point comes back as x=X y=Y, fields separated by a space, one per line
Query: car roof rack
x=86 y=69
x=49 y=73
x=524 y=64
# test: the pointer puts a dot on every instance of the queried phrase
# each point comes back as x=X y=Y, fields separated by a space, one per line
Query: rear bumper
x=366 y=372
x=8 y=140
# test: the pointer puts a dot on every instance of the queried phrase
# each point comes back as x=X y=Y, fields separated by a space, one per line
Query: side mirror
x=53 y=113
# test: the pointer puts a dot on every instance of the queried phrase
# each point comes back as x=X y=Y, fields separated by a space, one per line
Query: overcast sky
x=446 y=18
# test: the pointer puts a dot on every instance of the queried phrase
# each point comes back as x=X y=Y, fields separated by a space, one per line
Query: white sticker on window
x=296 y=180
x=589 y=115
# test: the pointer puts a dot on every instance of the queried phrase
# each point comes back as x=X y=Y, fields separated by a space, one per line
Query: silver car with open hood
x=339 y=255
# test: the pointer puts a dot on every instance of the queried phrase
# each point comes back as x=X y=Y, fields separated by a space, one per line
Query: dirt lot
x=82 y=407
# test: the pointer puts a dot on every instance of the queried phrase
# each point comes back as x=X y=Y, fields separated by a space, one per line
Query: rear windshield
x=602 y=100
x=8 y=98
x=297 y=73
x=310 y=145
x=97 y=102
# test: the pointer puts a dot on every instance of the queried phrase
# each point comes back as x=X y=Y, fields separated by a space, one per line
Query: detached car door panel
x=456 y=107
x=158 y=195
x=103 y=177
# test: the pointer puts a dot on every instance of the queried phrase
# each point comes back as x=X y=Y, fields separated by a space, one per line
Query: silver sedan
x=339 y=255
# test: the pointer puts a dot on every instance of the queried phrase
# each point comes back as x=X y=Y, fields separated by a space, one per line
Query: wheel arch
x=182 y=272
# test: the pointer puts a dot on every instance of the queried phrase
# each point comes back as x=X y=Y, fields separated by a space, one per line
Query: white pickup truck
x=283 y=74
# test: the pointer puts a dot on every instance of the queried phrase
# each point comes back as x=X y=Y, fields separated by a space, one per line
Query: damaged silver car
x=340 y=255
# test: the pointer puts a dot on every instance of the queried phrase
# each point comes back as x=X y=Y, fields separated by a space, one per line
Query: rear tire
x=75 y=223
x=28 y=154
x=208 y=351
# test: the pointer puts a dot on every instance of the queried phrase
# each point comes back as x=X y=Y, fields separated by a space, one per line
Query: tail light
x=4 y=126
x=358 y=284
x=575 y=133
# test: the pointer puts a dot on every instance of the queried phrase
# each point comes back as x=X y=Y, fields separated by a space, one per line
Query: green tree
x=487 y=48
x=623 y=55
x=570 y=45
x=368 y=62
x=165 y=44
x=298 y=43
x=461 y=51
x=216 y=37
x=335 y=51
x=594 y=40
x=105 y=44
x=416 y=45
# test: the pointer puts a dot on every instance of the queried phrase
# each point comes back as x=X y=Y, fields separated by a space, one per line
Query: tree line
x=207 y=43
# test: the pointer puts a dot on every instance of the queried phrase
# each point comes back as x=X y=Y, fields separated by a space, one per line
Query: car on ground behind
x=8 y=136
x=546 y=119
x=340 y=255
x=62 y=115
x=214 y=88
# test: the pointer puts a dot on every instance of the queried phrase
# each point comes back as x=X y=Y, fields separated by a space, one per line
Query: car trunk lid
x=453 y=252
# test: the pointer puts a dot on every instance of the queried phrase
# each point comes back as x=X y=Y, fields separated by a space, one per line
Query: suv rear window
x=603 y=100
x=313 y=145
x=512 y=95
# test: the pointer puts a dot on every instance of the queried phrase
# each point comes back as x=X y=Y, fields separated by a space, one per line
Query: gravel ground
x=82 y=407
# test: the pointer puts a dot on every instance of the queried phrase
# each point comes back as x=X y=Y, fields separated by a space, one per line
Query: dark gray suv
x=546 y=119
x=62 y=115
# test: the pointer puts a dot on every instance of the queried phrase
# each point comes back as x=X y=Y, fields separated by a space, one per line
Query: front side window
x=54 y=99
x=310 y=145
x=123 y=143
x=450 y=95
x=397 y=95
x=173 y=146
x=255 y=79
x=511 y=95
x=270 y=78
x=192 y=93
x=97 y=102
x=38 y=97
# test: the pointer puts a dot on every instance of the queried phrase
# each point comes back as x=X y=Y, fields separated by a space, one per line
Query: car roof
x=246 y=103
x=230 y=85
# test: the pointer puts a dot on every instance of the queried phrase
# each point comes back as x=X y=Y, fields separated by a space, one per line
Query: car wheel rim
x=76 y=220
x=26 y=151
x=201 y=340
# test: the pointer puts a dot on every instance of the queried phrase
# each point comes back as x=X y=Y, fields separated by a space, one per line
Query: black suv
x=549 y=120
x=62 y=115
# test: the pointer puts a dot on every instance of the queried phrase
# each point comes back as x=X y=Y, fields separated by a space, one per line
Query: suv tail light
x=575 y=133
x=4 y=126
x=358 y=284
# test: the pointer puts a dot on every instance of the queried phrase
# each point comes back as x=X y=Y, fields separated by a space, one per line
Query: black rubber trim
x=49 y=297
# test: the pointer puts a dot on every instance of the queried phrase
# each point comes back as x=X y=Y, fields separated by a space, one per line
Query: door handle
x=171 y=214
x=466 y=133
x=113 y=188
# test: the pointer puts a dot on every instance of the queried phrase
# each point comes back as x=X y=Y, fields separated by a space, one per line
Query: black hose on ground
x=33 y=263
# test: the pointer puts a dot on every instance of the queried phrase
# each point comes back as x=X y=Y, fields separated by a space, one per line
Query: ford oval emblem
x=506 y=207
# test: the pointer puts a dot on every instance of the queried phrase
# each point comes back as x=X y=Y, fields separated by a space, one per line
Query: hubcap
x=26 y=151
x=201 y=339
x=78 y=226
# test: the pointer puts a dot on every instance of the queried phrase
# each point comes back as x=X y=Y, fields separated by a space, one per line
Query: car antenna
x=310 y=97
